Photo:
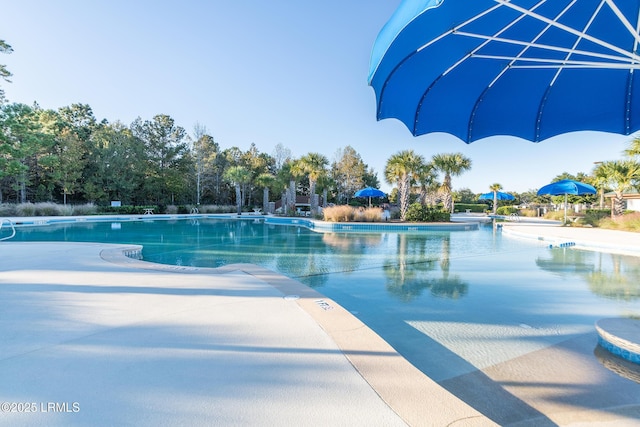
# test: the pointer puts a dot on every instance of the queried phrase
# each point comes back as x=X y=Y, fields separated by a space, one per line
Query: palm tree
x=401 y=169
x=495 y=188
x=426 y=178
x=314 y=165
x=453 y=164
x=238 y=175
x=634 y=148
x=599 y=180
x=622 y=175
x=265 y=180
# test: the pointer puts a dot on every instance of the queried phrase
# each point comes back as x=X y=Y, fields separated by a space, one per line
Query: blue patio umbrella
x=494 y=196
x=499 y=195
x=566 y=187
x=370 y=192
x=531 y=69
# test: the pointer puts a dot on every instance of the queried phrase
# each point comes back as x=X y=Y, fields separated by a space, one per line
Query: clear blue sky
x=265 y=72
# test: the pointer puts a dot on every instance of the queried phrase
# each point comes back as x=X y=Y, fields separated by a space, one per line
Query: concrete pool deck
x=91 y=337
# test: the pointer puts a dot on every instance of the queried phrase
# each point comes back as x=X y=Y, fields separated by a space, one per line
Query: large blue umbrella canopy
x=499 y=195
x=566 y=187
x=531 y=69
x=370 y=192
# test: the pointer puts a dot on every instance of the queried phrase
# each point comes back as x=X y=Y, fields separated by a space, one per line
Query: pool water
x=450 y=302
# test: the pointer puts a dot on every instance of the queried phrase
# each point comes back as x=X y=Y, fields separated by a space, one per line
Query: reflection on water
x=405 y=265
x=417 y=266
x=608 y=275
x=616 y=364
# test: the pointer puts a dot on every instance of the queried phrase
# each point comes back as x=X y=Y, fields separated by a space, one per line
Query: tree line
x=66 y=155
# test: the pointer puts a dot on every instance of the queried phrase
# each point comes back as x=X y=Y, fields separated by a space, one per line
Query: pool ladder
x=11 y=224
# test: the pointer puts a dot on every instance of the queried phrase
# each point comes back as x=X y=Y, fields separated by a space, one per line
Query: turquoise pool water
x=451 y=302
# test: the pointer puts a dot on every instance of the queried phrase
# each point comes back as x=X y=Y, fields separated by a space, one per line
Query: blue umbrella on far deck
x=370 y=192
x=566 y=187
x=499 y=195
x=495 y=196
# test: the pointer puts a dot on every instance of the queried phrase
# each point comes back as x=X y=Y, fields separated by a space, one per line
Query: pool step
x=620 y=336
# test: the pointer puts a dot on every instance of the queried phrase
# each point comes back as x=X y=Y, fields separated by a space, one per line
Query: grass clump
x=626 y=222
x=345 y=213
x=341 y=213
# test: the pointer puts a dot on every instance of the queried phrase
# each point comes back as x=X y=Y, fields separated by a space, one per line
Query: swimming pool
x=451 y=302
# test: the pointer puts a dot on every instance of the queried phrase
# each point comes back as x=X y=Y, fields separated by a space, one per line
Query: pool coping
x=620 y=336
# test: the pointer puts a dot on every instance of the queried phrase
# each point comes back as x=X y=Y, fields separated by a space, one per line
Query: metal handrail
x=11 y=224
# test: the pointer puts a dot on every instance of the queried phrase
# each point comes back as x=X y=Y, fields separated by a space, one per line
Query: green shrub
x=593 y=216
x=506 y=210
x=213 y=209
x=473 y=207
x=420 y=213
x=129 y=210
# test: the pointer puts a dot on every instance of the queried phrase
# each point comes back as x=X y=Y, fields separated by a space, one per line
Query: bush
x=346 y=213
x=127 y=210
x=213 y=209
x=420 y=213
x=47 y=209
x=342 y=213
x=594 y=216
x=25 y=209
x=473 y=207
x=506 y=210
x=86 y=209
x=369 y=215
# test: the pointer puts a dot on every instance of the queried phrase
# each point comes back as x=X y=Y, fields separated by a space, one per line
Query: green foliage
x=473 y=207
x=506 y=210
x=129 y=210
x=420 y=213
x=464 y=195
x=593 y=216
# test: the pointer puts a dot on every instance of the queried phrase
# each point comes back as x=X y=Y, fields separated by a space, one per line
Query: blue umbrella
x=499 y=195
x=370 y=192
x=566 y=187
x=531 y=69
